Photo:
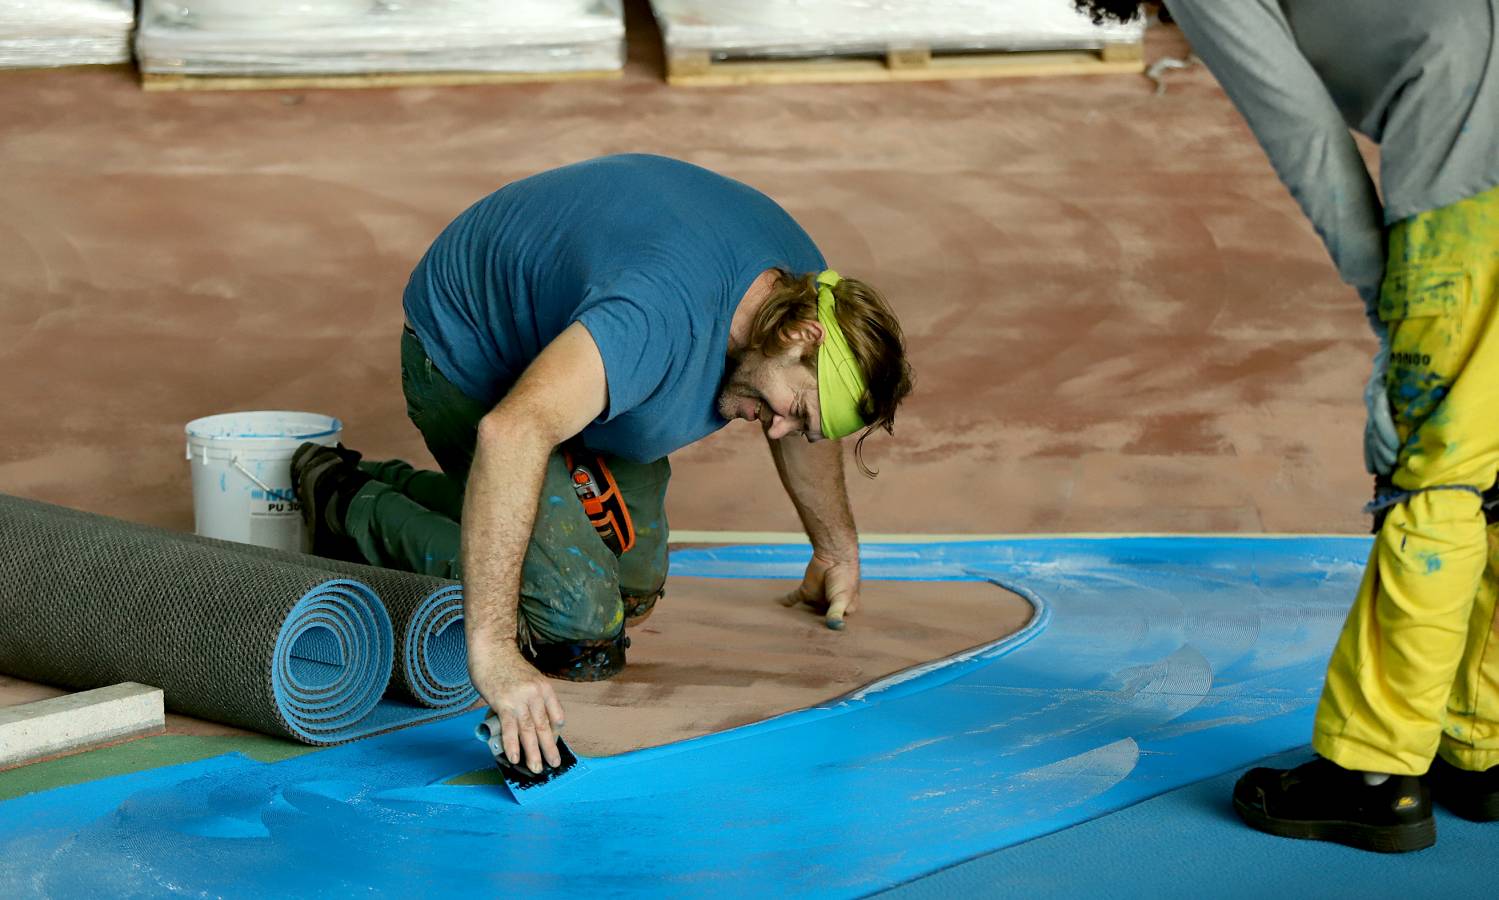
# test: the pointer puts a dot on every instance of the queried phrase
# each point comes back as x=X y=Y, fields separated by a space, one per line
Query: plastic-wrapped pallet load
x=730 y=28
x=36 y=33
x=353 y=37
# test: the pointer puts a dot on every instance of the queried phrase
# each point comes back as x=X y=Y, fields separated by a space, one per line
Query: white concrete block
x=45 y=728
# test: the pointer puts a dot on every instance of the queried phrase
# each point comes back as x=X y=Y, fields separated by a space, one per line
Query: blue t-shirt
x=651 y=254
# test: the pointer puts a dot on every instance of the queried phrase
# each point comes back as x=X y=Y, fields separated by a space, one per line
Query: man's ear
x=807 y=332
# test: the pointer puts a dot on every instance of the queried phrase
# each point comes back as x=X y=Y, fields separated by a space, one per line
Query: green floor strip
x=480 y=776
x=140 y=755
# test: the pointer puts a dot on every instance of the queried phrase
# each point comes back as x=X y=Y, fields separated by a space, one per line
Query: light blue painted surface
x=1165 y=661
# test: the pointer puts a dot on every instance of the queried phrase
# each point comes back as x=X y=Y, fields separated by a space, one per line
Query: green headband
x=840 y=383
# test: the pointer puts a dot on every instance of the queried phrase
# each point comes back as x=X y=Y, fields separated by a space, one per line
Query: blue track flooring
x=1189 y=844
x=1154 y=663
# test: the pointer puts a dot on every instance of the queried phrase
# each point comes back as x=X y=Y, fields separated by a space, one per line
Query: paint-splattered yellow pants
x=1416 y=670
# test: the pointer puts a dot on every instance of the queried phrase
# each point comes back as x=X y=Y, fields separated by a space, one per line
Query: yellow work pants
x=1416 y=670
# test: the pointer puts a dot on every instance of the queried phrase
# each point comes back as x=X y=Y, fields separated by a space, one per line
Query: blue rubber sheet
x=1153 y=663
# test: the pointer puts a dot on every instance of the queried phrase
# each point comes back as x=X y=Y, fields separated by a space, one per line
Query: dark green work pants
x=571 y=582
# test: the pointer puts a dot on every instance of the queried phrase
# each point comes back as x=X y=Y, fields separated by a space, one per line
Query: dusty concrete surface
x=1118 y=318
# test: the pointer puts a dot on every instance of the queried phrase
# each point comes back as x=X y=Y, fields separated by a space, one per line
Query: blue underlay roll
x=434 y=655
x=332 y=661
x=431 y=665
x=280 y=643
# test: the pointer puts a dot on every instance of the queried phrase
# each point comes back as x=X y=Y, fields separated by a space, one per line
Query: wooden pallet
x=698 y=68
x=156 y=81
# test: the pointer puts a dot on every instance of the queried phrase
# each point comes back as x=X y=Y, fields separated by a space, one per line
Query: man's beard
x=729 y=401
x=736 y=389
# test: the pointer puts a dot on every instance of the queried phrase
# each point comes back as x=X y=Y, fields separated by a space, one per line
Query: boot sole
x=1474 y=809
x=1378 y=838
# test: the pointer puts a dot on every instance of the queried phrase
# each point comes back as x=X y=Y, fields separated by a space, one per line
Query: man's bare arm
x=812 y=474
x=561 y=392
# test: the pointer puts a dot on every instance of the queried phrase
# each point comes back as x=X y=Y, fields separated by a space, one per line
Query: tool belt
x=602 y=499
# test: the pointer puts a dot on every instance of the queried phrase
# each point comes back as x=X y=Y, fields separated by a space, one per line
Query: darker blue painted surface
x=1189 y=844
x=1165 y=661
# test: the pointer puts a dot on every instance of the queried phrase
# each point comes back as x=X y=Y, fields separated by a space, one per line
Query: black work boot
x=1472 y=795
x=324 y=480
x=594 y=660
x=1322 y=801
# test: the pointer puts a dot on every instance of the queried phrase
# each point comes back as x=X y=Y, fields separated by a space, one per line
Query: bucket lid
x=263 y=425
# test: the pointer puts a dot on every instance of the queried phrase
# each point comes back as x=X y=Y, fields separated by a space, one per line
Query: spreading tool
x=525 y=785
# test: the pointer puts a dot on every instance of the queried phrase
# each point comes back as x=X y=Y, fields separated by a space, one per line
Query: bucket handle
x=270 y=491
x=234 y=461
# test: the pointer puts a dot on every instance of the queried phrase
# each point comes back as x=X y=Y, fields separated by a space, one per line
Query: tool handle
x=518 y=776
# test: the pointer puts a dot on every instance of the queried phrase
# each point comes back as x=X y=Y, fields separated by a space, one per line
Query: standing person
x=1414 y=680
x=564 y=335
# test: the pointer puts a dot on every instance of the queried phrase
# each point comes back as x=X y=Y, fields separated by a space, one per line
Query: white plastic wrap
x=731 y=28
x=65 y=32
x=344 y=37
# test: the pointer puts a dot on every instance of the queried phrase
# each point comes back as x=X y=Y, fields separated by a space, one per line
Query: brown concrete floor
x=719 y=653
x=1118 y=318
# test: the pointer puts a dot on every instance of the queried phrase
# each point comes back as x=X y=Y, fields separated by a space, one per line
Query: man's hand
x=530 y=714
x=830 y=587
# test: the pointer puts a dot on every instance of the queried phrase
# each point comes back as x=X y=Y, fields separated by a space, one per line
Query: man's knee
x=568 y=596
x=576 y=595
x=572 y=617
x=642 y=571
x=642 y=576
x=581 y=638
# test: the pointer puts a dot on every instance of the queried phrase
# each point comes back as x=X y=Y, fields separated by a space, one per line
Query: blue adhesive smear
x=1153 y=663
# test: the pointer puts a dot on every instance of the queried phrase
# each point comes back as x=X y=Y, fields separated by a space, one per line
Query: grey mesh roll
x=278 y=645
x=431 y=664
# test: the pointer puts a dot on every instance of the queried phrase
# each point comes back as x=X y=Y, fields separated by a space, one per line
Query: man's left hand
x=830 y=587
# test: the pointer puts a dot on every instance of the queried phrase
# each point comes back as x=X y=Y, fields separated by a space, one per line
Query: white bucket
x=242 y=474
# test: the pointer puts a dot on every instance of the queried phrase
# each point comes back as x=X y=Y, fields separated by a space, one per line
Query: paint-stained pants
x=571 y=583
x=1416 y=670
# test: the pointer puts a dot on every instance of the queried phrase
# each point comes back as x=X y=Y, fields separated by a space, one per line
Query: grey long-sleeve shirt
x=1420 y=77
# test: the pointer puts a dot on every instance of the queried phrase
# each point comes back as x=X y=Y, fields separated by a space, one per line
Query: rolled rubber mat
x=431 y=663
x=277 y=643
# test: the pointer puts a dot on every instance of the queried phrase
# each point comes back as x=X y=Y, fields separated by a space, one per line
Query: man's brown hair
x=873 y=335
